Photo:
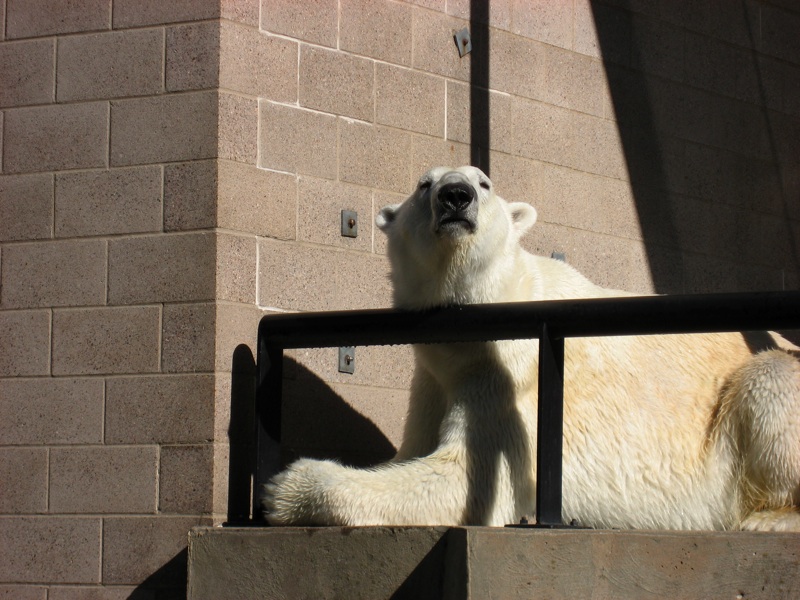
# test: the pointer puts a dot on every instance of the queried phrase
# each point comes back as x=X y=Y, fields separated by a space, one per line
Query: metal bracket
x=347 y=359
x=349 y=223
x=463 y=42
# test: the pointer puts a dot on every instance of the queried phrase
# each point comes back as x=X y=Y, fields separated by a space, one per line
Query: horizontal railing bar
x=631 y=315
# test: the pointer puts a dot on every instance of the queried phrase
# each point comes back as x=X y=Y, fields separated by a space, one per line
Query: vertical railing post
x=549 y=439
x=269 y=393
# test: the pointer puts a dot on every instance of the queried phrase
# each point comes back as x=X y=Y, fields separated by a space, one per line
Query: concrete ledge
x=478 y=562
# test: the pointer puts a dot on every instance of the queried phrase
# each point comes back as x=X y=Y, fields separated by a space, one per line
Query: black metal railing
x=549 y=321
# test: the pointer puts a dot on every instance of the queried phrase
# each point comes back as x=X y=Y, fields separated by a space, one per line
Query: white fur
x=679 y=432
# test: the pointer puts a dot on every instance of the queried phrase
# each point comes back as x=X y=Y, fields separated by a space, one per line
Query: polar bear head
x=454 y=240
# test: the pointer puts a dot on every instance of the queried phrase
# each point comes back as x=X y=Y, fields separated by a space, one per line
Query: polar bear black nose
x=456 y=196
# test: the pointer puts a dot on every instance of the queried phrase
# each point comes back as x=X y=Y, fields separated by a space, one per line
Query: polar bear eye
x=424 y=185
x=485 y=184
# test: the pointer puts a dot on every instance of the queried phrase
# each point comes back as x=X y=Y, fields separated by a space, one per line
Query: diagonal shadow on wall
x=712 y=157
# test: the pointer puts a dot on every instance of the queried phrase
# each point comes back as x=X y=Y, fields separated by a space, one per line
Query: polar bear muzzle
x=455 y=207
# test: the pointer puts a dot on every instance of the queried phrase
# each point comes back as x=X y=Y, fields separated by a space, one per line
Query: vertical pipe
x=269 y=396
x=549 y=437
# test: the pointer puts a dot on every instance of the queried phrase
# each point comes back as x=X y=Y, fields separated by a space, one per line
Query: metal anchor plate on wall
x=347 y=359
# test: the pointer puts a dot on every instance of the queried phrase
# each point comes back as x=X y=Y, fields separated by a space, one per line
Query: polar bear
x=664 y=432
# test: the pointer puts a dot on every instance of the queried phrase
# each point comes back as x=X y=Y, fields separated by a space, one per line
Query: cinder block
x=161 y=268
x=237 y=326
x=297 y=140
x=188 y=339
x=777 y=33
x=192 y=60
x=517 y=179
x=336 y=82
x=339 y=422
x=374 y=156
x=545 y=21
x=27 y=70
x=435 y=49
x=175 y=127
x=748 y=129
x=765 y=81
x=518 y=65
x=55 y=411
x=109 y=480
x=238 y=128
x=154 y=409
x=320 y=207
x=314 y=22
x=111 y=65
x=659 y=48
x=159 y=543
x=52 y=138
x=108 y=202
x=299 y=277
x=609 y=261
x=242 y=11
x=50 y=549
x=69 y=273
x=26 y=207
x=106 y=340
x=587 y=202
x=35 y=18
x=352 y=423
x=500 y=12
x=703 y=274
x=428 y=152
x=23 y=472
x=591 y=18
x=388 y=367
x=186 y=479
x=134 y=13
x=573 y=81
x=237 y=263
x=398 y=89
x=190 y=195
x=256 y=201
x=257 y=64
x=25 y=350
x=713 y=66
x=595 y=146
x=521 y=127
x=381 y=29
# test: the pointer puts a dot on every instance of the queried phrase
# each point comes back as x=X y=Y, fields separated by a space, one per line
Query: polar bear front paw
x=300 y=494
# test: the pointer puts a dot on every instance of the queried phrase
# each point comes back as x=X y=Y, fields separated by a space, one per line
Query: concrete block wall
x=171 y=171
x=108 y=351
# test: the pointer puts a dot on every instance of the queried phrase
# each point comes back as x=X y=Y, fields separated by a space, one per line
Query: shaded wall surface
x=173 y=170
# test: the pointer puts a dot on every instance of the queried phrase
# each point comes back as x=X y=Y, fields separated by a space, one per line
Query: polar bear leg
x=423 y=491
x=782 y=519
x=429 y=490
x=768 y=399
x=426 y=409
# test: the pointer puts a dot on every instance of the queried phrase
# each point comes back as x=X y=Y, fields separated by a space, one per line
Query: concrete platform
x=485 y=563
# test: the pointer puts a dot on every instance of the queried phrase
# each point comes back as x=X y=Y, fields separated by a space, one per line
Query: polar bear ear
x=386 y=216
x=523 y=216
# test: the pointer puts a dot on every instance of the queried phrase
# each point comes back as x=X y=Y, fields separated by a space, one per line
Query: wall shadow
x=167 y=583
x=480 y=139
x=316 y=422
x=713 y=169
